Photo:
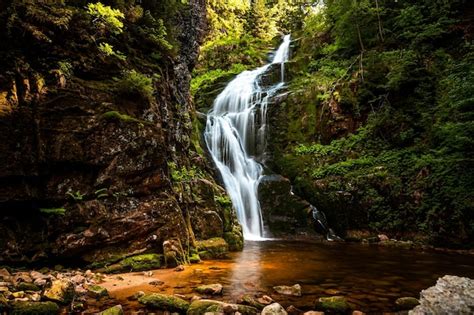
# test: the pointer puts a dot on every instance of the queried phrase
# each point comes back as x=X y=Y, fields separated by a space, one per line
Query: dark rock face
x=283 y=211
x=75 y=182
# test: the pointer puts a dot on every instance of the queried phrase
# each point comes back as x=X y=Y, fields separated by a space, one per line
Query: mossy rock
x=336 y=304
x=215 y=247
x=25 y=286
x=235 y=239
x=115 y=310
x=34 y=308
x=61 y=291
x=137 y=263
x=247 y=299
x=97 y=291
x=164 y=302
x=406 y=303
x=200 y=307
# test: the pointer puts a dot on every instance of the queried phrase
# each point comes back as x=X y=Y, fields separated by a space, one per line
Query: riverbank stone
x=450 y=295
x=215 y=247
x=406 y=303
x=274 y=309
x=61 y=291
x=97 y=291
x=199 y=307
x=332 y=304
x=210 y=289
x=294 y=290
x=115 y=310
x=164 y=302
x=37 y=308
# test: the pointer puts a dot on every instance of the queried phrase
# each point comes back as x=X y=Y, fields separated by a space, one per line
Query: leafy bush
x=134 y=82
x=106 y=17
x=108 y=50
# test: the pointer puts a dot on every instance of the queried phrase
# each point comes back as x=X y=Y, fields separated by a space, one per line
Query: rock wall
x=89 y=172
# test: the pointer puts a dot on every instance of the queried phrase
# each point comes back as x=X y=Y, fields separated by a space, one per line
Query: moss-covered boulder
x=61 y=291
x=212 y=248
x=26 y=286
x=406 y=303
x=115 y=310
x=249 y=300
x=34 y=308
x=235 y=238
x=164 y=302
x=136 y=263
x=199 y=307
x=336 y=304
x=97 y=291
x=274 y=309
x=210 y=289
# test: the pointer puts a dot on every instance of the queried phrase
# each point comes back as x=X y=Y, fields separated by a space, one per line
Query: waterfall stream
x=235 y=135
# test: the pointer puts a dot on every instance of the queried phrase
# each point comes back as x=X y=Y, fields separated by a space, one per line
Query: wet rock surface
x=450 y=295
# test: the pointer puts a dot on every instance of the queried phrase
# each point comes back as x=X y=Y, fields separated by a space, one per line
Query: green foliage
x=135 y=83
x=77 y=195
x=184 y=174
x=65 y=68
x=108 y=50
x=119 y=116
x=106 y=17
x=53 y=211
x=154 y=31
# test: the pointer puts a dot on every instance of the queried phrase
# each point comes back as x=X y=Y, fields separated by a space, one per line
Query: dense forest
x=362 y=123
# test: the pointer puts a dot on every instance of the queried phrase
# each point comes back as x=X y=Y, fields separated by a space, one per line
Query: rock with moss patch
x=294 y=290
x=199 y=307
x=115 y=310
x=36 y=308
x=97 y=291
x=164 y=302
x=136 y=263
x=61 y=291
x=25 y=286
x=212 y=248
x=235 y=239
x=333 y=304
x=249 y=300
x=406 y=303
x=210 y=289
x=274 y=309
x=194 y=258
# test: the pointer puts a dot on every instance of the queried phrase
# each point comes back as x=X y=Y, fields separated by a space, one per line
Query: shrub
x=105 y=16
x=108 y=50
x=134 y=82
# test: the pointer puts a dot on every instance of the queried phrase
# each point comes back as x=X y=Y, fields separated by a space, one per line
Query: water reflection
x=246 y=270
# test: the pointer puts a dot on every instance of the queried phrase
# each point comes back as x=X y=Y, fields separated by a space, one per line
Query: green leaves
x=106 y=17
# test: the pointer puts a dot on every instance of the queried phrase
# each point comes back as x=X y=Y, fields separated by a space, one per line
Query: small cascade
x=235 y=135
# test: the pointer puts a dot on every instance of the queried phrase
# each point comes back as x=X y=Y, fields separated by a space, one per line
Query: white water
x=235 y=132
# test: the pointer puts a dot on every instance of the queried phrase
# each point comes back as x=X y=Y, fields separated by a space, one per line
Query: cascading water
x=235 y=134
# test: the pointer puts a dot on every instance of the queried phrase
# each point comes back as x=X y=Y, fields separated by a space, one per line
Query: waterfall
x=235 y=135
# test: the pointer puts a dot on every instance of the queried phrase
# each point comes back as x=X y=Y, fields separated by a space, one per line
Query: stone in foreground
x=164 y=302
x=61 y=291
x=199 y=307
x=450 y=295
x=37 y=308
x=406 y=303
x=210 y=289
x=115 y=310
x=294 y=290
x=274 y=309
x=333 y=304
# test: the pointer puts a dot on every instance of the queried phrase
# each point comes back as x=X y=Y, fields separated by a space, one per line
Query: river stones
x=406 y=303
x=61 y=291
x=97 y=291
x=294 y=290
x=249 y=300
x=164 y=302
x=212 y=248
x=199 y=307
x=333 y=304
x=210 y=289
x=450 y=295
x=37 y=308
x=274 y=309
x=115 y=310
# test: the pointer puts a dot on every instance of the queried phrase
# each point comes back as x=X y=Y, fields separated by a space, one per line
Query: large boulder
x=199 y=307
x=212 y=248
x=450 y=295
x=37 y=308
x=210 y=289
x=336 y=304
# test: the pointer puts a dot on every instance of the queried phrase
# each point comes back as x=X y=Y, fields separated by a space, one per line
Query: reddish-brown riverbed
x=371 y=277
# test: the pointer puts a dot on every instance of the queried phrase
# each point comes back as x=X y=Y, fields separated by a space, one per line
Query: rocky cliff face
x=92 y=169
